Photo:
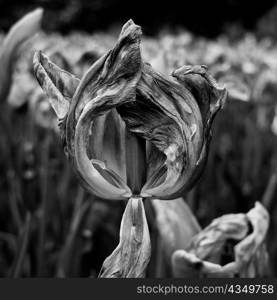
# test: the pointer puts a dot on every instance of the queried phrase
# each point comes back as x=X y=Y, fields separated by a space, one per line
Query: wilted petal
x=232 y=246
x=110 y=82
x=107 y=142
x=167 y=115
x=131 y=257
x=60 y=87
x=188 y=265
x=58 y=84
x=95 y=134
x=209 y=95
x=250 y=254
x=209 y=243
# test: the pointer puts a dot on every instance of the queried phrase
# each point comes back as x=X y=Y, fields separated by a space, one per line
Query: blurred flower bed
x=50 y=227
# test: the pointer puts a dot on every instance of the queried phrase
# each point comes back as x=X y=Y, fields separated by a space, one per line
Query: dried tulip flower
x=130 y=132
x=231 y=246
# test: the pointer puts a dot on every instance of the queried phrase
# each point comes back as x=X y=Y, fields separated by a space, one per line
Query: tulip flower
x=128 y=130
x=132 y=133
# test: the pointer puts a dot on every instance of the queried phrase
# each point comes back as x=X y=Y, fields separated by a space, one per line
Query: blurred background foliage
x=207 y=18
x=49 y=226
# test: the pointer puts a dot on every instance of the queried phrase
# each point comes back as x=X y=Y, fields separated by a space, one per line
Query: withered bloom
x=231 y=246
x=128 y=130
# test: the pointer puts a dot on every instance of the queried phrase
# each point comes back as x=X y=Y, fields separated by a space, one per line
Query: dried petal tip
x=58 y=84
x=131 y=29
x=180 y=74
x=188 y=69
x=210 y=95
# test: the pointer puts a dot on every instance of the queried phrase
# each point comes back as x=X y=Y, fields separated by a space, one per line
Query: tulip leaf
x=176 y=224
x=21 y=31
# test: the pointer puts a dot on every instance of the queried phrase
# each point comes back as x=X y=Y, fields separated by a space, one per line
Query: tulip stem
x=135 y=162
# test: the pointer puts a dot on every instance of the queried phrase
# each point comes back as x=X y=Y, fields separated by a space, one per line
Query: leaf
x=21 y=31
x=21 y=89
x=68 y=252
x=21 y=248
x=131 y=256
x=176 y=224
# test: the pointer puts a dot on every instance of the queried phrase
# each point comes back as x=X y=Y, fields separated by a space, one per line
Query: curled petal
x=209 y=95
x=210 y=241
x=131 y=257
x=250 y=254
